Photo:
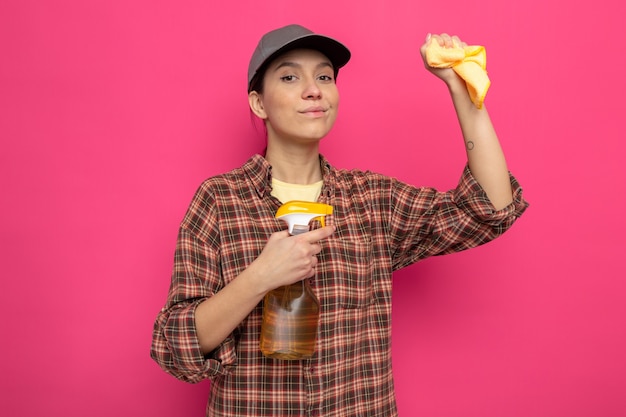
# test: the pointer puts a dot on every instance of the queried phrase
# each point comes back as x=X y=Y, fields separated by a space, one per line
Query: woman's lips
x=314 y=111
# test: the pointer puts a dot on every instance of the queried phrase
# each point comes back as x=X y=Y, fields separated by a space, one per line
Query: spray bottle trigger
x=321 y=220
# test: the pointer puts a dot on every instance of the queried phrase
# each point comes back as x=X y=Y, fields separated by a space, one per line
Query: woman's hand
x=287 y=259
x=445 y=41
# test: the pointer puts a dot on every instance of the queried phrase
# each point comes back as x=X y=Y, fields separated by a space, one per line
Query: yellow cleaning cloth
x=469 y=62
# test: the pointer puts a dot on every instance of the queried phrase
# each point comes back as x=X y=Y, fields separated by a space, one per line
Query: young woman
x=231 y=250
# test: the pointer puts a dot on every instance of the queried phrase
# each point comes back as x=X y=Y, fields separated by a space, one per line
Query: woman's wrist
x=456 y=85
x=253 y=279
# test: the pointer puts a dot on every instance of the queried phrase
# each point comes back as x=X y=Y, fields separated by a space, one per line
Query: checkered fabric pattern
x=381 y=225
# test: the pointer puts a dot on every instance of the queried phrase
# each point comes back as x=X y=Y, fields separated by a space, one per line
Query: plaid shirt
x=381 y=225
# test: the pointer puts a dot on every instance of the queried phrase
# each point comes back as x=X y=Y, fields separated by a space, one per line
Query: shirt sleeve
x=195 y=277
x=425 y=222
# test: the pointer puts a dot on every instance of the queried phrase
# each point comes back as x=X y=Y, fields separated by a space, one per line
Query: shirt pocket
x=352 y=270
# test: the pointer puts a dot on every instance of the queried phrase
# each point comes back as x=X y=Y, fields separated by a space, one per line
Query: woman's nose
x=312 y=91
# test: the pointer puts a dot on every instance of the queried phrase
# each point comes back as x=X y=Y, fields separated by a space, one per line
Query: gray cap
x=291 y=37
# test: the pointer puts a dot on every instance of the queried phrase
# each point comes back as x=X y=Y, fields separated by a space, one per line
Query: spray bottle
x=291 y=312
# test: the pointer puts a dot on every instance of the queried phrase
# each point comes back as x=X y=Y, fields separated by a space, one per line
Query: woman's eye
x=326 y=78
x=288 y=78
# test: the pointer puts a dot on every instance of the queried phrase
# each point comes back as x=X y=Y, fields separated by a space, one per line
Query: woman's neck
x=295 y=166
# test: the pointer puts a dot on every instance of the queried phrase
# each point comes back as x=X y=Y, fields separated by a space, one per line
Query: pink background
x=113 y=112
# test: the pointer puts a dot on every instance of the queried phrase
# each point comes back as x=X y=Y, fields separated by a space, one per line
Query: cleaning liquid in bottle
x=291 y=312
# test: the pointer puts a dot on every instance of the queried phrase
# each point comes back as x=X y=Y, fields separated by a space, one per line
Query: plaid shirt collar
x=259 y=172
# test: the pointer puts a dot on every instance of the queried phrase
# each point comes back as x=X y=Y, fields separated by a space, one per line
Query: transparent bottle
x=290 y=320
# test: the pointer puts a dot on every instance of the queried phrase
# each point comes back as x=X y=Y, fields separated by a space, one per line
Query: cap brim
x=338 y=54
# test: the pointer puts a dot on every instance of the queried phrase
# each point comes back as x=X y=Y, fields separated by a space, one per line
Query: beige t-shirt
x=288 y=192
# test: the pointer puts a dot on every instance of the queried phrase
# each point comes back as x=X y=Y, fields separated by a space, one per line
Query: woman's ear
x=256 y=105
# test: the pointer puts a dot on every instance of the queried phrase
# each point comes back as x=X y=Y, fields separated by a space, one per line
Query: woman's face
x=300 y=98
